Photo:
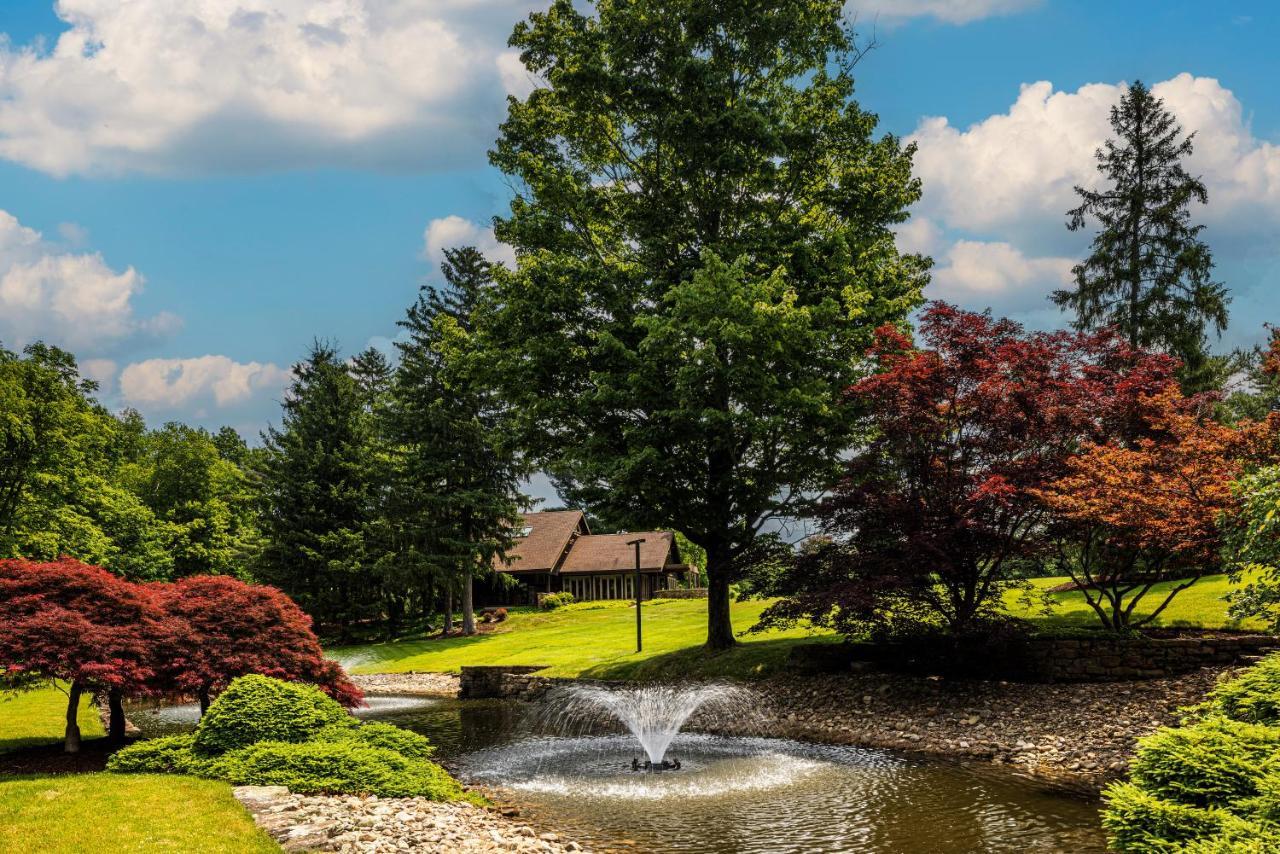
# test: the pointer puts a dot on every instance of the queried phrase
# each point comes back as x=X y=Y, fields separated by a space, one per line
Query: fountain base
x=664 y=765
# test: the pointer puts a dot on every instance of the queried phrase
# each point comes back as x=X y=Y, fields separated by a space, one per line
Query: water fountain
x=653 y=714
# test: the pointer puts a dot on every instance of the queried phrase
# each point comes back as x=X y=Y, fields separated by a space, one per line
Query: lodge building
x=555 y=551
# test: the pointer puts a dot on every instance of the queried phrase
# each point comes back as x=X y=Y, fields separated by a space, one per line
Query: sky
x=191 y=191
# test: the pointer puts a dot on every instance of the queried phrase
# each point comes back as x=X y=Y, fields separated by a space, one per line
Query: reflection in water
x=732 y=796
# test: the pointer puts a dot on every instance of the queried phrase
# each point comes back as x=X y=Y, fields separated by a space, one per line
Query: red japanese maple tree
x=936 y=507
x=77 y=623
x=1129 y=515
x=228 y=628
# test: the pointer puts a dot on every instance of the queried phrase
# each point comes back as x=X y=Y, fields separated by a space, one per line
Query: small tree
x=227 y=628
x=1130 y=516
x=937 y=509
x=81 y=624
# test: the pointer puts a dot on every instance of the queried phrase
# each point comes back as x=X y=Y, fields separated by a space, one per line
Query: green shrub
x=1252 y=697
x=375 y=734
x=258 y=708
x=1139 y=822
x=1237 y=836
x=556 y=600
x=174 y=754
x=338 y=767
x=1215 y=762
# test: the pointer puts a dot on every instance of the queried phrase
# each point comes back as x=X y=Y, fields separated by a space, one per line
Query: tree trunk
x=115 y=724
x=448 y=610
x=73 y=718
x=203 y=696
x=719 y=623
x=468 y=607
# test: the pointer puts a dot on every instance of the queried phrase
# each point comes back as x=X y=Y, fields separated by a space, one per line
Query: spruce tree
x=457 y=488
x=1149 y=274
x=317 y=494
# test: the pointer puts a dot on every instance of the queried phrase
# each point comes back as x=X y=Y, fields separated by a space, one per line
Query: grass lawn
x=597 y=639
x=39 y=717
x=124 y=812
x=594 y=639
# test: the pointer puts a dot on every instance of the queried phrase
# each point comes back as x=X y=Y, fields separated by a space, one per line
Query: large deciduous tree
x=703 y=224
x=1131 y=515
x=227 y=628
x=1149 y=273
x=938 y=507
x=80 y=624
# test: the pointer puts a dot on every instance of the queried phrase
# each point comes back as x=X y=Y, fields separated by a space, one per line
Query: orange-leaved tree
x=1130 y=515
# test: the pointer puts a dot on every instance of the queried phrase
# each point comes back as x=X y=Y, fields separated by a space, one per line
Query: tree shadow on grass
x=755 y=659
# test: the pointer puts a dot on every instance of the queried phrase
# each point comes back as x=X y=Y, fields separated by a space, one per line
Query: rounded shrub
x=174 y=754
x=1253 y=696
x=1214 y=762
x=1139 y=822
x=556 y=600
x=386 y=736
x=258 y=708
x=339 y=767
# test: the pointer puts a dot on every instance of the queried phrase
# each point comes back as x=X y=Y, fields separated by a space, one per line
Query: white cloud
x=1014 y=171
x=453 y=231
x=996 y=275
x=167 y=86
x=199 y=383
x=74 y=300
x=947 y=11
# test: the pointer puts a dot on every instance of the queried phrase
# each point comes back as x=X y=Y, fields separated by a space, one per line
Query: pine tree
x=457 y=485
x=1149 y=273
x=316 y=491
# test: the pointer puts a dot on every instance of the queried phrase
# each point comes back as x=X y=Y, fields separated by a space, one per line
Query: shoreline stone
x=413 y=682
x=368 y=825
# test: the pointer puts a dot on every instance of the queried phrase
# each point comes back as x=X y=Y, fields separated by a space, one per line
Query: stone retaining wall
x=1078 y=659
x=515 y=682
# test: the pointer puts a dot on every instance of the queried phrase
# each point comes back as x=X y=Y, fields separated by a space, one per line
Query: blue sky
x=191 y=191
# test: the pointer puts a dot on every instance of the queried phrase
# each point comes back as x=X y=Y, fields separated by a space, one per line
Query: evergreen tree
x=457 y=490
x=317 y=494
x=703 y=223
x=1149 y=273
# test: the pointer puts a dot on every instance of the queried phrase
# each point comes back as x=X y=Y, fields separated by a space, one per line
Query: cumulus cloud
x=1015 y=171
x=452 y=231
x=947 y=11
x=208 y=85
x=998 y=275
x=199 y=383
x=74 y=300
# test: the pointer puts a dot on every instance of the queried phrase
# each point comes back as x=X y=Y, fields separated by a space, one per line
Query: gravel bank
x=421 y=684
x=1078 y=736
x=348 y=823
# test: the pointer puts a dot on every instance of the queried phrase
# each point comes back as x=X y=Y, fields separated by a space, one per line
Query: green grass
x=1199 y=606
x=597 y=639
x=39 y=717
x=124 y=812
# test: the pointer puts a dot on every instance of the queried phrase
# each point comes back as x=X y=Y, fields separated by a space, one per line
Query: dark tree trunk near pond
x=73 y=718
x=448 y=610
x=203 y=696
x=115 y=722
x=719 y=623
x=468 y=607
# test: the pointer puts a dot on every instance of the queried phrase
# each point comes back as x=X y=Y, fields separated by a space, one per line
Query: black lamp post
x=636 y=543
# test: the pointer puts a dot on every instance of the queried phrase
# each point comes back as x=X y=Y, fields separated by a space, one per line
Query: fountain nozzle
x=647 y=765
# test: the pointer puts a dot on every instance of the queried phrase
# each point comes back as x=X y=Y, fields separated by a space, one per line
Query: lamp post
x=636 y=543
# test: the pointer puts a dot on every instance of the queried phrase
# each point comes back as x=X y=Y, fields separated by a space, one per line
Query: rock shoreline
x=371 y=825
x=413 y=682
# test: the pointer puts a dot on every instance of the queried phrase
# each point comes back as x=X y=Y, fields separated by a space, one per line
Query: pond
x=731 y=795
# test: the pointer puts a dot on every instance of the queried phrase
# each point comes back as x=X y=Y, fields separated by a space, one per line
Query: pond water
x=731 y=795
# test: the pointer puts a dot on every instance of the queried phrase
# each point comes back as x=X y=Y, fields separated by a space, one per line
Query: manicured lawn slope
x=114 y=812
x=38 y=717
x=594 y=639
x=598 y=639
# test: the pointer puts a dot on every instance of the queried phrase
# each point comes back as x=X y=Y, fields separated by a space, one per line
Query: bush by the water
x=556 y=600
x=265 y=732
x=1212 y=785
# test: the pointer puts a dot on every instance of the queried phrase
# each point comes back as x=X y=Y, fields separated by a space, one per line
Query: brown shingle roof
x=610 y=552
x=548 y=538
